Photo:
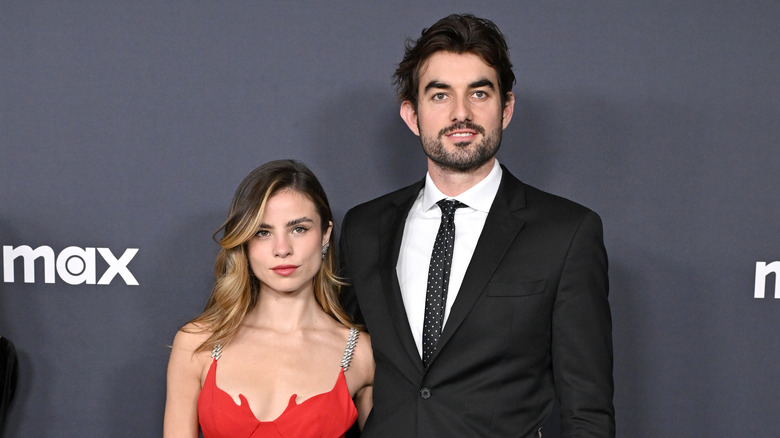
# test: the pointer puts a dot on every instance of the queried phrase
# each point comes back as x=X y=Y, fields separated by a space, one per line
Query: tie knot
x=448 y=206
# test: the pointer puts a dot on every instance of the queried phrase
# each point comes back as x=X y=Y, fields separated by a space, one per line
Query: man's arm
x=347 y=294
x=582 y=336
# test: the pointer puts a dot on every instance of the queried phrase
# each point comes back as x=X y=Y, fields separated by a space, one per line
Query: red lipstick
x=284 y=270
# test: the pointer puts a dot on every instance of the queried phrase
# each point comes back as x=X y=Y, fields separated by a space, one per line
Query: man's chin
x=463 y=144
x=460 y=166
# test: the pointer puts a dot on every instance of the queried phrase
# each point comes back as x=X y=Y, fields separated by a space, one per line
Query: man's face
x=459 y=116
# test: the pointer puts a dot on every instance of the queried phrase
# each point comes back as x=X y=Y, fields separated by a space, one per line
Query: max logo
x=763 y=270
x=74 y=265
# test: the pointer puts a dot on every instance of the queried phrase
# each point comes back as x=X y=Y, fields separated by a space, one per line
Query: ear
x=509 y=108
x=326 y=234
x=409 y=114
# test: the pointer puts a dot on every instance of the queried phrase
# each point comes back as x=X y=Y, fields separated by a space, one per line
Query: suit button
x=425 y=393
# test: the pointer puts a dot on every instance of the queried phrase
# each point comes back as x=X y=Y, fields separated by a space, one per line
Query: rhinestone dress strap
x=216 y=352
x=351 y=342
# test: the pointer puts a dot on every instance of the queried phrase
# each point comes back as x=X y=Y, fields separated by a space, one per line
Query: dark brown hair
x=458 y=34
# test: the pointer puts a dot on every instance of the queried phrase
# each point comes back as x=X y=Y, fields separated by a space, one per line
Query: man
x=9 y=364
x=477 y=326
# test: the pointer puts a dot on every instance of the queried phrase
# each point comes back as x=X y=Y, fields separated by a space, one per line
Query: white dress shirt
x=420 y=230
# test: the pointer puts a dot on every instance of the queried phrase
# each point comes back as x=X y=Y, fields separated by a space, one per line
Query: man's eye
x=439 y=96
x=480 y=94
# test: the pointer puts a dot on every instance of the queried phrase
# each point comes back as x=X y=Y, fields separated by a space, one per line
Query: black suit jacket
x=9 y=364
x=531 y=322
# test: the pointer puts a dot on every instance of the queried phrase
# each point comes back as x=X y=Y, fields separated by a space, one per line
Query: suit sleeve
x=582 y=336
x=347 y=296
x=9 y=364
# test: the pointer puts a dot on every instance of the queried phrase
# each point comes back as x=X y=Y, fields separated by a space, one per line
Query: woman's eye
x=299 y=230
x=262 y=233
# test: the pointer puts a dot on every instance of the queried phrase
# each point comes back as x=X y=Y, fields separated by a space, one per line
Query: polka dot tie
x=439 y=277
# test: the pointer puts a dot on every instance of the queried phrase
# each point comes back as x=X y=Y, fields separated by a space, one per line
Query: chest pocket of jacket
x=515 y=289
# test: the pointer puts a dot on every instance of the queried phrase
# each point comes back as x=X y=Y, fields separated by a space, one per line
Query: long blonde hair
x=236 y=290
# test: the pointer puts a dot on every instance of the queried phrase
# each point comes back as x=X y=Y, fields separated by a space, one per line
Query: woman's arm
x=364 y=403
x=183 y=387
x=364 y=358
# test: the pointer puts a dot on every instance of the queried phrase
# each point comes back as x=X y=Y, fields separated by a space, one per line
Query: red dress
x=326 y=415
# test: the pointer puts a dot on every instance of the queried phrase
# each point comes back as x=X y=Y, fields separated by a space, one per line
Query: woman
x=273 y=354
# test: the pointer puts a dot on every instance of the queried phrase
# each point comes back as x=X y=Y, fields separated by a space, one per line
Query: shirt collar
x=479 y=197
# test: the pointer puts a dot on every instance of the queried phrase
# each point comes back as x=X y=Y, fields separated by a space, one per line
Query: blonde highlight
x=236 y=289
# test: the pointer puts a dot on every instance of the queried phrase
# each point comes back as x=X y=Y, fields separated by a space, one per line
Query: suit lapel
x=391 y=235
x=501 y=228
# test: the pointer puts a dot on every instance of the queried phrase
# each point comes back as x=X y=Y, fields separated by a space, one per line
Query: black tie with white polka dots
x=439 y=277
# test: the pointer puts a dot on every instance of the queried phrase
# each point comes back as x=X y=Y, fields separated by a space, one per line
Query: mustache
x=462 y=125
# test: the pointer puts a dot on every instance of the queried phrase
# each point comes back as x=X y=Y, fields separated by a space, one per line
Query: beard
x=466 y=156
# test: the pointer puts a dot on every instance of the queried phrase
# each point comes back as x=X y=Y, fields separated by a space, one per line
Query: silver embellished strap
x=351 y=342
x=216 y=352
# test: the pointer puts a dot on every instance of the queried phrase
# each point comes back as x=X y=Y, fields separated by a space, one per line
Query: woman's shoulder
x=361 y=337
x=190 y=337
x=350 y=339
x=360 y=370
x=363 y=347
x=363 y=356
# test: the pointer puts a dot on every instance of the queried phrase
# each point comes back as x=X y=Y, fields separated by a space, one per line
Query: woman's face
x=286 y=252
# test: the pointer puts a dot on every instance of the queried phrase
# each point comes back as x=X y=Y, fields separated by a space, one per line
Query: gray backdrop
x=129 y=124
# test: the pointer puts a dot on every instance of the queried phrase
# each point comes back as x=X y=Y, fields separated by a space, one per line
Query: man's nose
x=461 y=109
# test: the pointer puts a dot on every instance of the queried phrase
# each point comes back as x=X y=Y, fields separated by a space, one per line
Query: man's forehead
x=471 y=69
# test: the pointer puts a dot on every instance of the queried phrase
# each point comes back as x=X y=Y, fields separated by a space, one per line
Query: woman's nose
x=282 y=247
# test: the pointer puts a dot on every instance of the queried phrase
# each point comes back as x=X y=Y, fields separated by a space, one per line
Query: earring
x=325 y=249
